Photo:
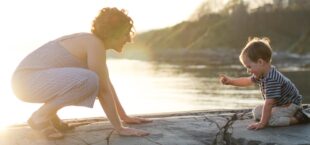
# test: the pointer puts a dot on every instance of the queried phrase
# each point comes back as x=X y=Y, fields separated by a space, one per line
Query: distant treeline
x=288 y=27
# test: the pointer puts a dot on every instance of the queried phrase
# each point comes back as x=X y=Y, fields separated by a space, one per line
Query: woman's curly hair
x=111 y=23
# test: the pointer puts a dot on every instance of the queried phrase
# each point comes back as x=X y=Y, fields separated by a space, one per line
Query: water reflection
x=178 y=88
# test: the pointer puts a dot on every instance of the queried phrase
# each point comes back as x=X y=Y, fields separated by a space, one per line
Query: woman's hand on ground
x=126 y=131
x=136 y=120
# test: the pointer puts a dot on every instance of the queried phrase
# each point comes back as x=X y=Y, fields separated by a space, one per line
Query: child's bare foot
x=301 y=117
x=293 y=120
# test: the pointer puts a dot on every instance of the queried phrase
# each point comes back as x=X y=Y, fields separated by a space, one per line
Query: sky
x=27 y=24
x=76 y=15
x=150 y=14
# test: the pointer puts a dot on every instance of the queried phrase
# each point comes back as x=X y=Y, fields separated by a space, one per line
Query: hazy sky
x=33 y=22
x=149 y=14
x=38 y=15
x=27 y=24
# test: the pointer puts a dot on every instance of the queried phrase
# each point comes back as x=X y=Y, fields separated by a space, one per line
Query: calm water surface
x=146 y=87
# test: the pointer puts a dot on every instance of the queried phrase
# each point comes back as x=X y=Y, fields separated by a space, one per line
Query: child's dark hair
x=257 y=48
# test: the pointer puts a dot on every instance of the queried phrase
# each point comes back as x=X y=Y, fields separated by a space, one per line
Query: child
x=282 y=99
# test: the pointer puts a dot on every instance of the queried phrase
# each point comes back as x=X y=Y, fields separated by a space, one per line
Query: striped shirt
x=276 y=86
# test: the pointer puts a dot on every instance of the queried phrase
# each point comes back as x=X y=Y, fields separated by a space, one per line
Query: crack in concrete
x=100 y=129
x=80 y=139
x=219 y=140
x=152 y=141
x=223 y=136
x=108 y=137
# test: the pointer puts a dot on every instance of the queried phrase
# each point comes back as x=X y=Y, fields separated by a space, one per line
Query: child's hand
x=256 y=126
x=224 y=79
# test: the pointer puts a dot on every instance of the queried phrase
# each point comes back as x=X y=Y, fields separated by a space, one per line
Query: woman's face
x=118 y=43
x=121 y=41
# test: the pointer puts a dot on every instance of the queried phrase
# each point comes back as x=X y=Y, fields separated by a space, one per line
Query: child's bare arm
x=242 y=81
x=266 y=113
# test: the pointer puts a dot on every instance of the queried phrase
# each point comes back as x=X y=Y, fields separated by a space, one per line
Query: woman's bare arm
x=96 y=59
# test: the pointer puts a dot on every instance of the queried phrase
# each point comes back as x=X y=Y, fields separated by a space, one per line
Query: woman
x=72 y=70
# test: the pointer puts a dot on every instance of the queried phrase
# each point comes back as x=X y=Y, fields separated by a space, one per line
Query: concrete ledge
x=219 y=127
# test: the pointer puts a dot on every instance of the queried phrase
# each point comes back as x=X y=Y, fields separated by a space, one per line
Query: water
x=147 y=87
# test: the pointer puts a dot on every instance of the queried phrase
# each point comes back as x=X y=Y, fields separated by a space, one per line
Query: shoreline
x=208 y=56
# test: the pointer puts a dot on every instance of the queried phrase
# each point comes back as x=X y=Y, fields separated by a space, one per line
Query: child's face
x=254 y=68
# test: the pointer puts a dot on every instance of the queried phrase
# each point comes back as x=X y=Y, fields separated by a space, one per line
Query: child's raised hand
x=224 y=79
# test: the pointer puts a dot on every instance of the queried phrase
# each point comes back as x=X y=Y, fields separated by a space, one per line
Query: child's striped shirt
x=276 y=86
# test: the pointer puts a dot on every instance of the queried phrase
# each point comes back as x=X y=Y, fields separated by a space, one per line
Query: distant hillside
x=288 y=29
